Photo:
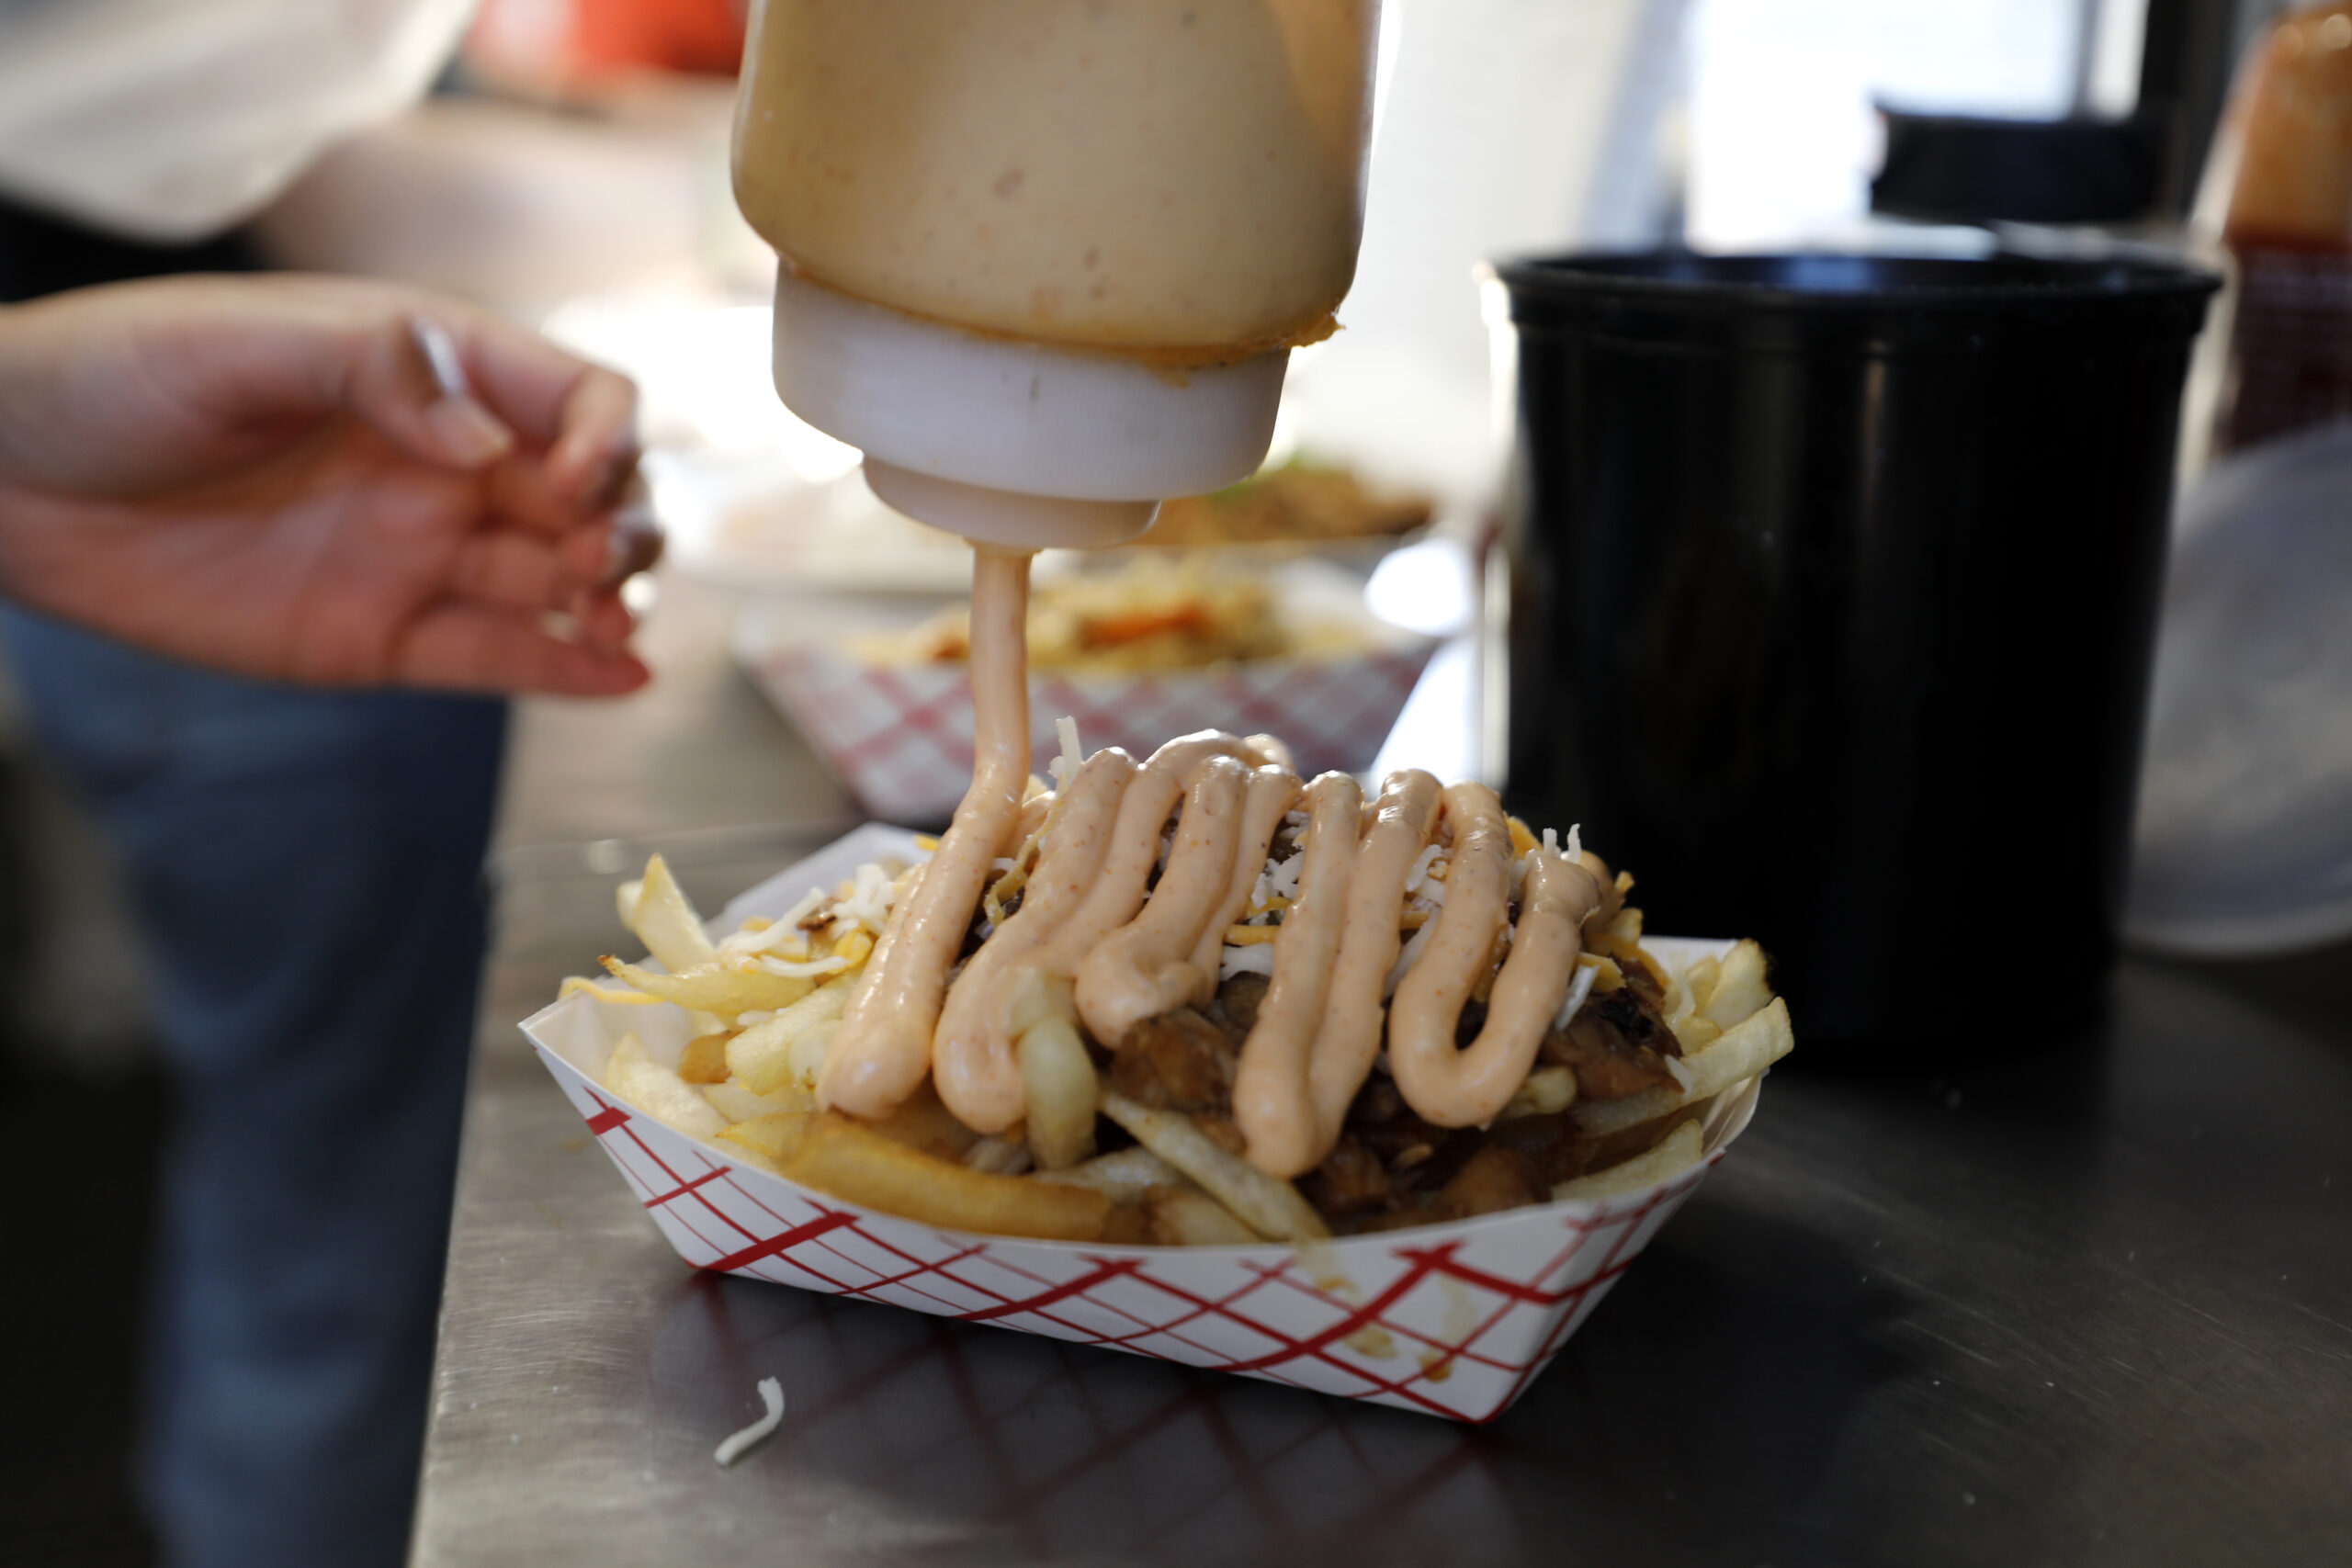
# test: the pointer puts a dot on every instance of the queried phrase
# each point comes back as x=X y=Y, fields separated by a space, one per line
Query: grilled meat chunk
x=1617 y=1043
x=1235 y=1007
x=1350 y=1181
x=1179 y=1061
x=1497 y=1178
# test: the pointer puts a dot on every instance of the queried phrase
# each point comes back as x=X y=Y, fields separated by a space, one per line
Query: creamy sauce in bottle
x=1060 y=172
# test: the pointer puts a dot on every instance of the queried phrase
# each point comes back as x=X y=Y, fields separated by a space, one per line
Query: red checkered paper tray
x=1452 y=1319
x=901 y=735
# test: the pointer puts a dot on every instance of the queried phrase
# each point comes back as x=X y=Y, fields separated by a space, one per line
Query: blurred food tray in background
x=876 y=684
x=758 y=521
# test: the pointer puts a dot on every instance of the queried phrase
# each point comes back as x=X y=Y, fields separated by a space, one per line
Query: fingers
x=519 y=570
x=603 y=620
x=597 y=454
x=405 y=380
x=467 y=432
x=476 y=646
x=579 y=574
x=636 y=541
x=581 y=415
x=455 y=386
x=519 y=492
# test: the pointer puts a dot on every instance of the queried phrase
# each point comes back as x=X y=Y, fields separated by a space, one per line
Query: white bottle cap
x=1013 y=443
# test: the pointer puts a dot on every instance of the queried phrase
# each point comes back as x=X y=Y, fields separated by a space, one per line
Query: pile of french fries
x=765 y=1002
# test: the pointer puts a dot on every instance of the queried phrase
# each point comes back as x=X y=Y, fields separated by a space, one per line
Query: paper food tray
x=901 y=735
x=1455 y=1319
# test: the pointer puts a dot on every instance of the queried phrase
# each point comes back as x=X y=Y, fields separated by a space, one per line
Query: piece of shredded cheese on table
x=771 y=1395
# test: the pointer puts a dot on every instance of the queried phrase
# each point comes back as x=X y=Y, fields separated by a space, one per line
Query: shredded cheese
x=1255 y=960
x=1278 y=881
x=1064 y=767
x=1578 y=989
x=776 y=936
x=1405 y=957
x=733 y=1449
x=870 y=897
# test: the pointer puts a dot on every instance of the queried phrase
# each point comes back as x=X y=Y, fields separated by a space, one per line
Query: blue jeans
x=306 y=867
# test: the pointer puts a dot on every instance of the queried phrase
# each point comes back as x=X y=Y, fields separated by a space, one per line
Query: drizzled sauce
x=1091 y=913
x=883 y=1047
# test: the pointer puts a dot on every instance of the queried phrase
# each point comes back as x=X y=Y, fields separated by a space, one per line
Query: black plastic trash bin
x=1833 y=585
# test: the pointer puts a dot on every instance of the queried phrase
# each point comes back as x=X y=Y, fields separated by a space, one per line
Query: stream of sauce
x=883 y=1047
x=1090 y=914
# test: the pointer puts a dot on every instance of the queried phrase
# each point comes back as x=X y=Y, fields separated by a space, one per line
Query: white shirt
x=170 y=121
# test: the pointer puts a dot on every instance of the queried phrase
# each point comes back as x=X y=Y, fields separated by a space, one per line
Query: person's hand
x=272 y=476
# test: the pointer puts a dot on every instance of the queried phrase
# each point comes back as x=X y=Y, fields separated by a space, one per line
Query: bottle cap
x=1013 y=443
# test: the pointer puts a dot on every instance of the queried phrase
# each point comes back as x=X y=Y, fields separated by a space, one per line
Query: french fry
x=923 y=1123
x=662 y=1094
x=1680 y=1004
x=1542 y=1092
x=853 y=1162
x=666 y=923
x=769 y=1141
x=1266 y=1204
x=705 y=1059
x=738 y=1103
x=999 y=1155
x=764 y=1055
x=1695 y=1034
x=1129 y=1173
x=714 y=986
x=1059 y=1083
x=1742 y=1053
x=580 y=984
x=1677 y=1152
x=1739 y=991
x=806 y=1052
x=1186 y=1216
x=1036 y=997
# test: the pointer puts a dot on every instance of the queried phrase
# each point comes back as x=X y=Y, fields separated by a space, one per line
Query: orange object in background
x=555 y=43
x=2289 y=226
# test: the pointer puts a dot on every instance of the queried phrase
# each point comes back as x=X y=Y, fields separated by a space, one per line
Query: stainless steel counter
x=2088 y=1306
